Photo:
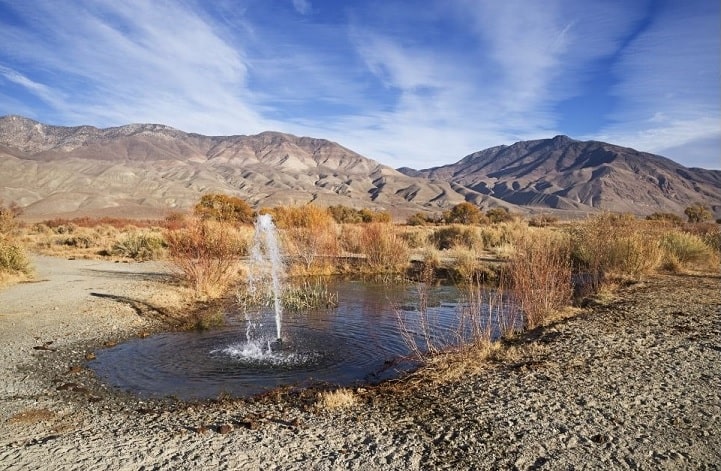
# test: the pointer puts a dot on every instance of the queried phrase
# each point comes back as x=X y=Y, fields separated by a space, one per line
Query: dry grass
x=32 y=416
x=683 y=251
x=540 y=275
x=384 y=249
x=338 y=399
x=14 y=263
x=207 y=254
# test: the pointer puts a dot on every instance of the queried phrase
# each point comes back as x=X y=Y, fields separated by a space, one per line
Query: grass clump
x=309 y=295
x=683 y=250
x=339 y=399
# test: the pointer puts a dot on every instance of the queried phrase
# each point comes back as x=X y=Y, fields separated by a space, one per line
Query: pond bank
x=633 y=384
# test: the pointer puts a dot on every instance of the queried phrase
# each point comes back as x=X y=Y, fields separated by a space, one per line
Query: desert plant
x=309 y=236
x=698 y=213
x=13 y=259
x=499 y=214
x=225 y=208
x=685 y=250
x=417 y=219
x=9 y=218
x=455 y=236
x=207 y=253
x=539 y=275
x=464 y=213
x=139 y=246
x=614 y=245
x=542 y=220
x=385 y=250
x=665 y=217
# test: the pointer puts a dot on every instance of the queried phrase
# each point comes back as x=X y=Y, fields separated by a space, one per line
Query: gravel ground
x=634 y=384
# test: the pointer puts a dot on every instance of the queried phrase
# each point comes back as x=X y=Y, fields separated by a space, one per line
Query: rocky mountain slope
x=143 y=170
x=147 y=170
x=563 y=173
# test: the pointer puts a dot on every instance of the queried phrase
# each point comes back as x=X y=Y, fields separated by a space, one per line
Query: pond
x=358 y=342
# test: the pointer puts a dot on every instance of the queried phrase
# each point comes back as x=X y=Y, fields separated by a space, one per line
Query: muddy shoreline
x=633 y=384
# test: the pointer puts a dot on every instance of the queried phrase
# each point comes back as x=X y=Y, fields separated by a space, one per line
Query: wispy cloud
x=669 y=87
x=418 y=86
x=137 y=61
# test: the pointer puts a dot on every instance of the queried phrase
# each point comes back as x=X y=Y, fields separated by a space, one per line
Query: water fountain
x=266 y=270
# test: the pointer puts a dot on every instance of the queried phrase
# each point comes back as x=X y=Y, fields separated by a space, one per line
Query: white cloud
x=381 y=85
x=302 y=6
x=139 y=61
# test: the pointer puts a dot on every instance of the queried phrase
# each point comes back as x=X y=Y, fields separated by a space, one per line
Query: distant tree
x=499 y=215
x=667 y=217
x=698 y=213
x=225 y=208
x=464 y=213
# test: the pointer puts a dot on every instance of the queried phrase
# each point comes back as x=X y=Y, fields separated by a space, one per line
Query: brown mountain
x=562 y=173
x=147 y=170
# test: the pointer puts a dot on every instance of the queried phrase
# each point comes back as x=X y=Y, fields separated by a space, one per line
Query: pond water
x=357 y=342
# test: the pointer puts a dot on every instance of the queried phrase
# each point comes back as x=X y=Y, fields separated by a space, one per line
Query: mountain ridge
x=145 y=170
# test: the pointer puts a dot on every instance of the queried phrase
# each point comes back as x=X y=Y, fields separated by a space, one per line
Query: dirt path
x=632 y=385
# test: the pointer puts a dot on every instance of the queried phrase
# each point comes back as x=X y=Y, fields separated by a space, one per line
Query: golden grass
x=339 y=399
x=32 y=416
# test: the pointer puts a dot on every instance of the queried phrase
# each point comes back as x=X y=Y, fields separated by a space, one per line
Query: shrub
x=542 y=220
x=13 y=259
x=614 y=245
x=499 y=214
x=417 y=219
x=455 y=236
x=665 y=217
x=698 y=213
x=684 y=250
x=309 y=236
x=539 y=274
x=385 y=250
x=218 y=207
x=8 y=218
x=464 y=213
x=344 y=215
x=206 y=253
x=139 y=246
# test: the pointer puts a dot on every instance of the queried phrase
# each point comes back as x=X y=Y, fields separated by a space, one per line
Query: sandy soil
x=634 y=384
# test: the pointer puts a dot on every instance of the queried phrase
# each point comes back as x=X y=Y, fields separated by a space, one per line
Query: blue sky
x=414 y=83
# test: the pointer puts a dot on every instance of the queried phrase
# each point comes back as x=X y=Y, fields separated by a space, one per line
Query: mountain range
x=148 y=170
